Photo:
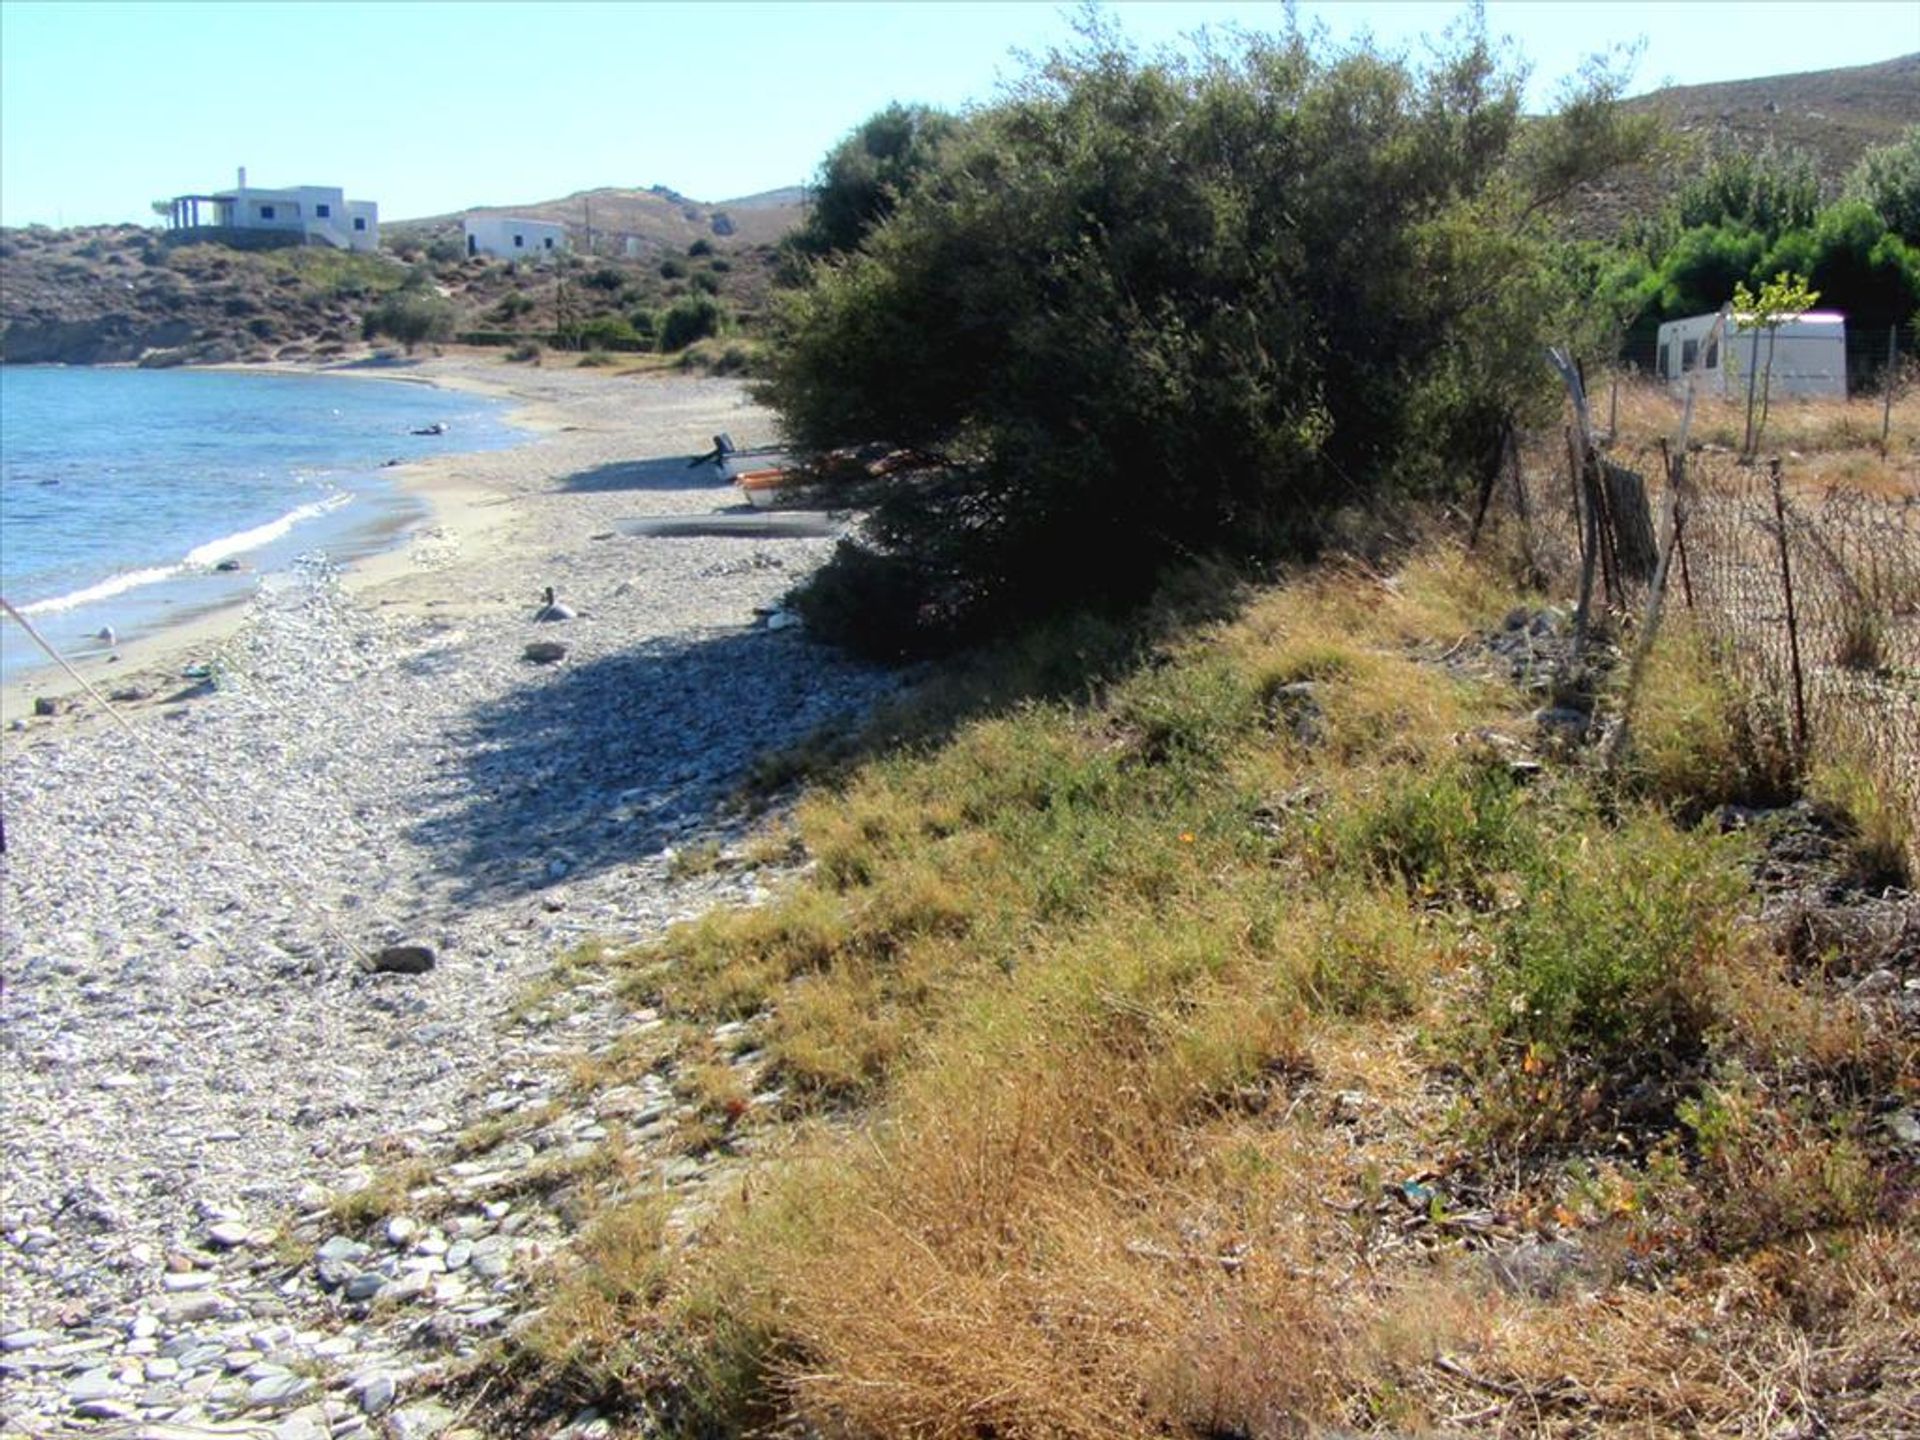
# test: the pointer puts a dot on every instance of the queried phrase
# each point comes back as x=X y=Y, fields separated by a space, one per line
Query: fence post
x=1793 y=622
x=1580 y=453
x=1893 y=373
x=1650 y=627
x=1676 y=470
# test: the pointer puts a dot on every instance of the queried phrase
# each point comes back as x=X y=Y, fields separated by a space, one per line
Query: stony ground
x=196 y=1062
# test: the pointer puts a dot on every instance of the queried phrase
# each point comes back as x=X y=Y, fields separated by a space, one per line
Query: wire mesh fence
x=1809 y=590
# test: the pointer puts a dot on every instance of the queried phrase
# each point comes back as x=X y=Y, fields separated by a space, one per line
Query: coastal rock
x=402 y=960
x=228 y=1234
x=545 y=652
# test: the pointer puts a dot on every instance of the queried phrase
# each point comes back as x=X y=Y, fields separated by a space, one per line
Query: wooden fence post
x=1793 y=622
x=1580 y=453
x=1893 y=373
x=1676 y=470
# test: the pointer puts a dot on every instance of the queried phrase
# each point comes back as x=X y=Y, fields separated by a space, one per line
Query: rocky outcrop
x=100 y=340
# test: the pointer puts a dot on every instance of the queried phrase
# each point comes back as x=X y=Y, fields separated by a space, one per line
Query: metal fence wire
x=1809 y=593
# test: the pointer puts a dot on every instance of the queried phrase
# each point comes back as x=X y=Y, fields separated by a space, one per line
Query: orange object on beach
x=762 y=486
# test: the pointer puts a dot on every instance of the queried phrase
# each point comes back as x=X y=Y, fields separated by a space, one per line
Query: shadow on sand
x=586 y=767
x=671 y=472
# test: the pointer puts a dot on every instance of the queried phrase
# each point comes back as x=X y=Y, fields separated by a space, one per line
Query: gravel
x=193 y=1048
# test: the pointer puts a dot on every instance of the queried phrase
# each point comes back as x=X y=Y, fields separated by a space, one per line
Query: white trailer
x=1809 y=355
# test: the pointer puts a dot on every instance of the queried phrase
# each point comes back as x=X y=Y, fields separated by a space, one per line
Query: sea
x=132 y=500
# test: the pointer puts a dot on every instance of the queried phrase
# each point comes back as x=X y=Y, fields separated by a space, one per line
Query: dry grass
x=1845 y=432
x=1166 y=1064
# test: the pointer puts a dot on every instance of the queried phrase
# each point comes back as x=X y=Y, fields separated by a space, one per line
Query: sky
x=427 y=108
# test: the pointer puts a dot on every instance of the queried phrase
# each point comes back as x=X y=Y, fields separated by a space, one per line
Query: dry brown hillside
x=661 y=220
x=1831 y=115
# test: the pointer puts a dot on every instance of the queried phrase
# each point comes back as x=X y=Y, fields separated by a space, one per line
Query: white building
x=1809 y=355
x=319 y=213
x=512 y=238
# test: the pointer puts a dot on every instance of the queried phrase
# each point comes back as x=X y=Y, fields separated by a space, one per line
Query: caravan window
x=1689 y=355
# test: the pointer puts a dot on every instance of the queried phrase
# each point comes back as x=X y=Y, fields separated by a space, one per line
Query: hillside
x=124 y=293
x=1832 y=115
x=658 y=219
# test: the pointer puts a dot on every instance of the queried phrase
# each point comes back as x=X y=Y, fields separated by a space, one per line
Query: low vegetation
x=1246 y=1041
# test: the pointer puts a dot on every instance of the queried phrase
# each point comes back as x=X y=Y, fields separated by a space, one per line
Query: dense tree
x=1888 y=179
x=1142 y=310
x=866 y=175
x=410 y=317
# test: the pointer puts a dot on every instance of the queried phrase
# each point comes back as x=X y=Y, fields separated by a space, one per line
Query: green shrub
x=1604 y=972
x=410 y=318
x=691 y=318
x=699 y=248
x=511 y=307
x=1145 y=311
x=1448 y=835
x=706 y=284
x=672 y=269
x=612 y=332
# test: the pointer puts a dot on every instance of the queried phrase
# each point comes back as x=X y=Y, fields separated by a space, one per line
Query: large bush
x=867 y=174
x=1746 y=216
x=1144 y=310
x=1888 y=179
x=690 y=318
x=410 y=317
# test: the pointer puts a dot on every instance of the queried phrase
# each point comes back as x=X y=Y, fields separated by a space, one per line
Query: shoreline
x=186 y=901
x=455 y=508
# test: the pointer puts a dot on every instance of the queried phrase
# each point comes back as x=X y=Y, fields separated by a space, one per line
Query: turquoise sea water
x=121 y=491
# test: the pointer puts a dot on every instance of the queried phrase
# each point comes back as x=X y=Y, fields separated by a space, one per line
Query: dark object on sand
x=553 y=610
x=402 y=960
x=757 y=525
x=545 y=652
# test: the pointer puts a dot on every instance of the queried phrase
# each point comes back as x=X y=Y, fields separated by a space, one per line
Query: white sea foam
x=215 y=551
x=201 y=557
x=115 y=585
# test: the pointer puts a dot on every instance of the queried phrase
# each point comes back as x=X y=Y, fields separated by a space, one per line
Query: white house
x=512 y=238
x=314 y=212
x=1809 y=354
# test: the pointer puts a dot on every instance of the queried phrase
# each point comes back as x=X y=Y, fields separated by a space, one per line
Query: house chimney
x=243 y=178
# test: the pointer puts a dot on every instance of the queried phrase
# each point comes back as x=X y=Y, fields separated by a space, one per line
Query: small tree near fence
x=1780 y=300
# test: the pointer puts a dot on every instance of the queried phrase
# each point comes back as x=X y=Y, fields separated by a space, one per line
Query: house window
x=323 y=211
x=266 y=212
x=1689 y=355
x=359 y=222
x=519 y=242
x=1712 y=361
x=549 y=242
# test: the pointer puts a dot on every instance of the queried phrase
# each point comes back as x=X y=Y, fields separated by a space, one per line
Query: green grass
x=1115 y=1010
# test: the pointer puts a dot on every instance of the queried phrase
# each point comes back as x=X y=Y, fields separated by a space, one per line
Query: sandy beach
x=186 y=899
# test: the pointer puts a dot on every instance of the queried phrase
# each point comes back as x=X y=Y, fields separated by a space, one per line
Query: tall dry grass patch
x=1248 y=1048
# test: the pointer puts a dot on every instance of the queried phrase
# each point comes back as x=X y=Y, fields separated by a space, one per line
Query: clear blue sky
x=431 y=107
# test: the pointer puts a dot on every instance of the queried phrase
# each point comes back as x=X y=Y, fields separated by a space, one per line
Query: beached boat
x=762 y=487
x=735 y=462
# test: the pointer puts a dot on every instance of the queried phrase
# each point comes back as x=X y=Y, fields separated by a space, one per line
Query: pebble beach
x=194 y=1052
